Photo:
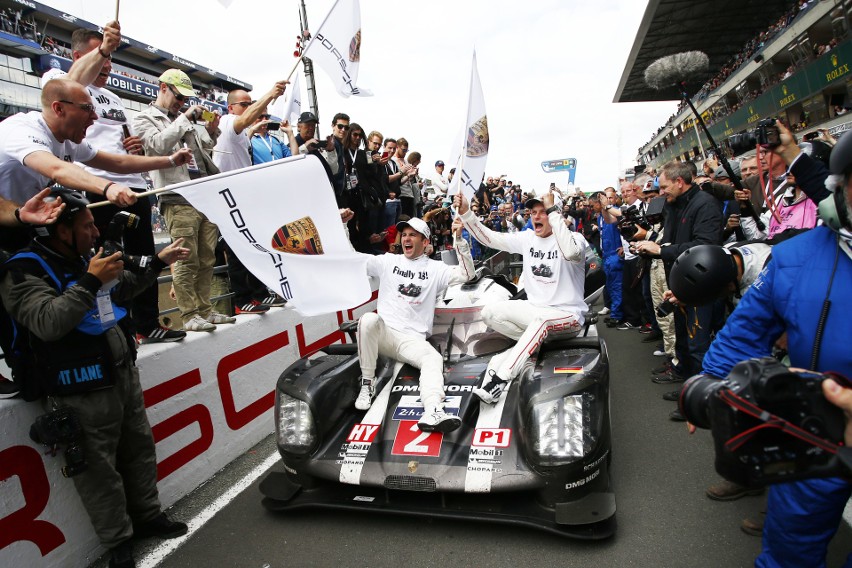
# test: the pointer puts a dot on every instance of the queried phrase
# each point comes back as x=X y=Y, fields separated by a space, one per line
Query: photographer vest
x=79 y=362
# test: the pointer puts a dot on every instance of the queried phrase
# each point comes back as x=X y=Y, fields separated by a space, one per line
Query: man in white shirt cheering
x=409 y=285
x=554 y=279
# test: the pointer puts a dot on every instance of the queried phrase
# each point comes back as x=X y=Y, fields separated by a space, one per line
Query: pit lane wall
x=209 y=399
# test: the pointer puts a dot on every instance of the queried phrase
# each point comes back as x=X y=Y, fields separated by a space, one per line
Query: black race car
x=540 y=457
x=542 y=270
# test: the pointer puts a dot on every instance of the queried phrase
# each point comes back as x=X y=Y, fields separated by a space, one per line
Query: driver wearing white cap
x=409 y=286
x=554 y=279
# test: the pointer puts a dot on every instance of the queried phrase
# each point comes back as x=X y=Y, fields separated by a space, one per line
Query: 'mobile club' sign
x=124 y=84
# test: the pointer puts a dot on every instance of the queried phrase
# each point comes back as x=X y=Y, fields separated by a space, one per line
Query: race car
x=540 y=457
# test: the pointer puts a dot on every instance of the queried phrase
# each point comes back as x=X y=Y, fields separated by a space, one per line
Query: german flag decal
x=567 y=370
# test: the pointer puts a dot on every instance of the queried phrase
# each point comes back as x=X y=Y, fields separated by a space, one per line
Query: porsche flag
x=282 y=221
x=336 y=47
x=291 y=108
x=470 y=160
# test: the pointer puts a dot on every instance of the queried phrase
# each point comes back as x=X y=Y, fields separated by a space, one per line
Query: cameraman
x=693 y=217
x=805 y=291
x=63 y=302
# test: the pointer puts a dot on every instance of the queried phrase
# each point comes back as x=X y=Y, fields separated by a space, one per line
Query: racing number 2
x=410 y=440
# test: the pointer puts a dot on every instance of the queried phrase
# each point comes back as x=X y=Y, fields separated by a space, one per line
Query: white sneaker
x=365 y=397
x=491 y=388
x=604 y=311
x=198 y=323
x=436 y=420
x=659 y=353
x=216 y=317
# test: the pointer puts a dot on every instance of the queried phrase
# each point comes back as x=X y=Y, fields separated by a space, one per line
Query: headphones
x=833 y=211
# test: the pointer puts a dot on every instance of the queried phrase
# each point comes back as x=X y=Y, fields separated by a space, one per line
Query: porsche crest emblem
x=477 y=138
x=355 y=48
x=298 y=237
x=412 y=466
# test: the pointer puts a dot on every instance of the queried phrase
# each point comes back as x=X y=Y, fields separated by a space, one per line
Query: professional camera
x=113 y=241
x=61 y=427
x=632 y=216
x=766 y=135
x=770 y=424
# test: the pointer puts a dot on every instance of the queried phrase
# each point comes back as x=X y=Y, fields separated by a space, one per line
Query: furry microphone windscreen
x=676 y=69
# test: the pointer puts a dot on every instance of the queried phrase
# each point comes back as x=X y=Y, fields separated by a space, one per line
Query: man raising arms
x=409 y=285
x=554 y=275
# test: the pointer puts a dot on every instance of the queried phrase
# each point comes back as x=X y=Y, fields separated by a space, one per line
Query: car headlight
x=297 y=432
x=561 y=431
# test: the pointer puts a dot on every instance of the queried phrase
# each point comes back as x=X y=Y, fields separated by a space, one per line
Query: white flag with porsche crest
x=471 y=157
x=336 y=47
x=282 y=221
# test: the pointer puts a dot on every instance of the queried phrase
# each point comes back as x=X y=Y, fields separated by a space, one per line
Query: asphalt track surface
x=659 y=473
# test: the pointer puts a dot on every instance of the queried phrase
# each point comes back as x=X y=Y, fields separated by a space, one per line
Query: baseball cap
x=417 y=224
x=179 y=80
x=439 y=163
x=532 y=202
x=721 y=173
x=307 y=116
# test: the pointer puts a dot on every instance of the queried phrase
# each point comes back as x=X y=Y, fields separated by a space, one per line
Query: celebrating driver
x=409 y=285
x=553 y=275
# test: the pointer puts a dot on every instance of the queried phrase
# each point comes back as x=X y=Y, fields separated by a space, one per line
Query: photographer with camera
x=692 y=217
x=805 y=291
x=76 y=352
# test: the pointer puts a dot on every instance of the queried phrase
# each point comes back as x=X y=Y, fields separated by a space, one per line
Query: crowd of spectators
x=722 y=109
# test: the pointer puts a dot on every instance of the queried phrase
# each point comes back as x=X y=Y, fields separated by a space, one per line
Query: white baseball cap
x=417 y=224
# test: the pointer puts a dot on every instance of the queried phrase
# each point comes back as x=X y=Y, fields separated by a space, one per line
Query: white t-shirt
x=107 y=132
x=20 y=136
x=549 y=279
x=408 y=290
x=237 y=146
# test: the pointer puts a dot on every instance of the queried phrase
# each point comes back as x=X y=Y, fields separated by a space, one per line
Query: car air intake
x=410 y=483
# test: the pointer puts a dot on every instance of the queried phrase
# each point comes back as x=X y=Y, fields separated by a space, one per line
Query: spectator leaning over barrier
x=92 y=51
x=38 y=148
x=83 y=362
x=162 y=129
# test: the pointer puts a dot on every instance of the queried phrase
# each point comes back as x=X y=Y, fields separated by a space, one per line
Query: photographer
x=693 y=217
x=805 y=291
x=64 y=306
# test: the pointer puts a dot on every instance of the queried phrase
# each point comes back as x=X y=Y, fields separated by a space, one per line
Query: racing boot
x=491 y=388
x=365 y=397
x=434 y=419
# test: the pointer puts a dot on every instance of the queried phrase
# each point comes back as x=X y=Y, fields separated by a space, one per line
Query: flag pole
x=313 y=37
x=138 y=195
x=117 y=3
x=466 y=128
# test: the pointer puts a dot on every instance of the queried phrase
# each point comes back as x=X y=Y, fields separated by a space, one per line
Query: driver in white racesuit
x=409 y=286
x=554 y=279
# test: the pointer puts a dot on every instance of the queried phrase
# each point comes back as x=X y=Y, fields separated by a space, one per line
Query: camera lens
x=694 y=402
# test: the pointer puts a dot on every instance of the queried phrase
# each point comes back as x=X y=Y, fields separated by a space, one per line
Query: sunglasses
x=88 y=107
x=178 y=96
x=244 y=104
x=265 y=116
x=342 y=126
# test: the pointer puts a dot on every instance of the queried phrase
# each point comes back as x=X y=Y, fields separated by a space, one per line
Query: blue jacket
x=788 y=296
x=610 y=237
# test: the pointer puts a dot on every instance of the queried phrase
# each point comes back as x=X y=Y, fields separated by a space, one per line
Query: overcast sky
x=549 y=71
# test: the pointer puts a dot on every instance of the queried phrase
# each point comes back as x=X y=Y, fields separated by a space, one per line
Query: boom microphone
x=677 y=69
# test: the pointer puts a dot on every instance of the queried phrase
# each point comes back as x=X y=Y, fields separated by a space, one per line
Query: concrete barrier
x=209 y=399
